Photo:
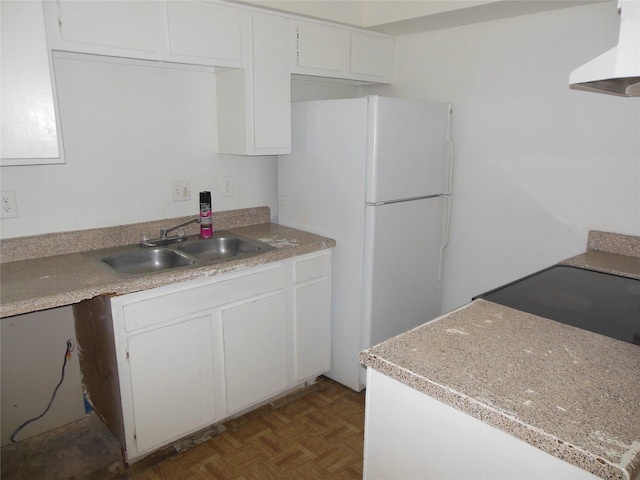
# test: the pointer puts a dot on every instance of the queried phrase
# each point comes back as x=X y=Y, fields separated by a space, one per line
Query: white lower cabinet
x=172 y=379
x=409 y=434
x=163 y=363
x=255 y=351
x=313 y=316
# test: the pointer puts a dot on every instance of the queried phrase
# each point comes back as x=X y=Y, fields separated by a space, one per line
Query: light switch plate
x=181 y=191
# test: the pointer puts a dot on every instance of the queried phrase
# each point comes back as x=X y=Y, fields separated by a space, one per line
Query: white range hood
x=617 y=71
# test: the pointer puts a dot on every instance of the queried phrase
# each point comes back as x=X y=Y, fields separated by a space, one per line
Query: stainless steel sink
x=223 y=247
x=147 y=260
x=136 y=260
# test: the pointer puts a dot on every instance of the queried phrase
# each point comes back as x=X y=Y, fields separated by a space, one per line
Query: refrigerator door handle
x=447 y=219
x=400 y=200
x=446 y=231
x=451 y=156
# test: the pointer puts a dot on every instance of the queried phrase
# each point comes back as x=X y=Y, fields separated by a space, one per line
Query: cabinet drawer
x=155 y=310
x=312 y=268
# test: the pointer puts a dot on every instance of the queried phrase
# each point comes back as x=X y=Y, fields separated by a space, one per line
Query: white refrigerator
x=375 y=174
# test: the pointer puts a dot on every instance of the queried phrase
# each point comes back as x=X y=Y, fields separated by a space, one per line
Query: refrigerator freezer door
x=407 y=149
x=402 y=256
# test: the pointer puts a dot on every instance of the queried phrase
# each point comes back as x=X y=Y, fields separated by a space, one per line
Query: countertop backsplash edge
x=60 y=243
x=616 y=243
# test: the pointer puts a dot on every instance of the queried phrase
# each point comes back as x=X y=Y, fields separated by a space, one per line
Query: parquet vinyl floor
x=316 y=433
x=319 y=435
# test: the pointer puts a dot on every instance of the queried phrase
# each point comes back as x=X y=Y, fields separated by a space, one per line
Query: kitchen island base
x=411 y=435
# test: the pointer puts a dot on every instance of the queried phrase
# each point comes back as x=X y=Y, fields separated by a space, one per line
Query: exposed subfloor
x=82 y=449
x=317 y=433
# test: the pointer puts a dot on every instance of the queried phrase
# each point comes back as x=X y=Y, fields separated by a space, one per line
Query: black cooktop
x=598 y=302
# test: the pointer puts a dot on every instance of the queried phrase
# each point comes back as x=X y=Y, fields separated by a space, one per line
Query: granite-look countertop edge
x=617 y=243
x=469 y=384
x=496 y=418
x=606 y=262
x=49 y=282
x=61 y=243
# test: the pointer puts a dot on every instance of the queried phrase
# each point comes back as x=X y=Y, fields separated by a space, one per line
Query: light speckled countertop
x=33 y=284
x=567 y=391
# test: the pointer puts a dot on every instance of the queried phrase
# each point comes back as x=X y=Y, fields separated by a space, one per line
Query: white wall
x=304 y=88
x=129 y=131
x=538 y=164
x=33 y=351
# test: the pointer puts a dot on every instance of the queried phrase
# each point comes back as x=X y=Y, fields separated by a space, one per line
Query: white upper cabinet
x=324 y=50
x=254 y=104
x=271 y=85
x=129 y=29
x=250 y=50
x=372 y=56
x=320 y=47
x=30 y=132
x=198 y=33
x=214 y=34
x=206 y=33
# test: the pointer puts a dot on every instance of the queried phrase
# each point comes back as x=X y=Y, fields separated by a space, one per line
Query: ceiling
x=401 y=17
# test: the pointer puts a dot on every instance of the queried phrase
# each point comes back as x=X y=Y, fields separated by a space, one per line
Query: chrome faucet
x=165 y=239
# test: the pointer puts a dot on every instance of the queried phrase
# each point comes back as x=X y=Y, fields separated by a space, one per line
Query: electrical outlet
x=226 y=187
x=8 y=204
x=181 y=191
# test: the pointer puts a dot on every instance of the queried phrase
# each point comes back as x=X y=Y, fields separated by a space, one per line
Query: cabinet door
x=271 y=86
x=372 y=55
x=106 y=27
x=28 y=117
x=313 y=329
x=344 y=53
x=255 y=350
x=205 y=33
x=172 y=381
x=254 y=104
x=320 y=47
x=312 y=313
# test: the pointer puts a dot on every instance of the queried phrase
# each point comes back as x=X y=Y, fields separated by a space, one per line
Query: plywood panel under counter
x=94 y=329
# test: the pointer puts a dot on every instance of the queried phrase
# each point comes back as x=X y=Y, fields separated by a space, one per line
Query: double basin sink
x=194 y=251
